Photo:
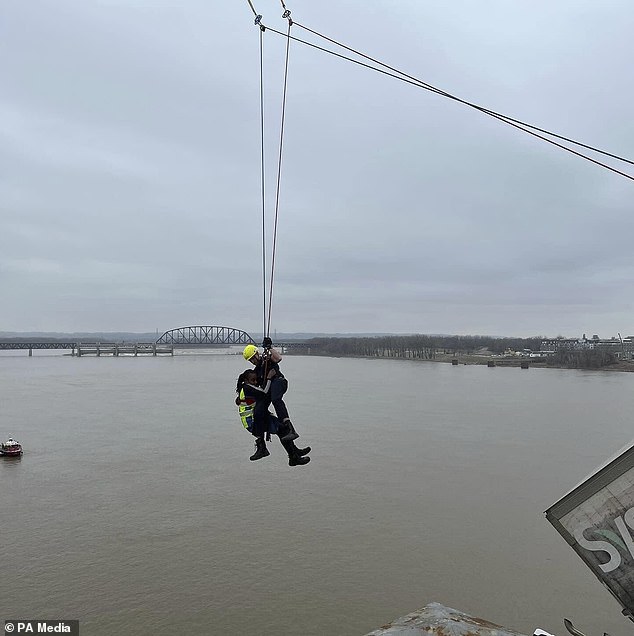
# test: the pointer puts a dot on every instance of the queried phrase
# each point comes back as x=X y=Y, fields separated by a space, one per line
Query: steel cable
x=279 y=176
x=399 y=75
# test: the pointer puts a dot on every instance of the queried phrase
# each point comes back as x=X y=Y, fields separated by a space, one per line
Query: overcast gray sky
x=130 y=167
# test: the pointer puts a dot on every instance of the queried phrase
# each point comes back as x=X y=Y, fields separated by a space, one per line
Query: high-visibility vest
x=246 y=408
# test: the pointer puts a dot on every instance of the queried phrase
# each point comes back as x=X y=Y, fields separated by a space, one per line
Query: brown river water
x=136 y=510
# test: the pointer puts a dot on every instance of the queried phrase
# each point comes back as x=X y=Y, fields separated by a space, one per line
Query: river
x=136 y=510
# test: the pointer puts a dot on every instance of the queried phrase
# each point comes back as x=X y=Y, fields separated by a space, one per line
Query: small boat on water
x=10 y=448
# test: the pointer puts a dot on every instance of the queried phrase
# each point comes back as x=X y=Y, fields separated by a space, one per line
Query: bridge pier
x=30 y=351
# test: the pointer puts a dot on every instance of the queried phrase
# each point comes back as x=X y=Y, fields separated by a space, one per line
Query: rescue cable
x=262 y=175
x=466 y=103
x=396 y=74
x=409 y=79
x=279 y=172
x=252 y=8
x=266 y=327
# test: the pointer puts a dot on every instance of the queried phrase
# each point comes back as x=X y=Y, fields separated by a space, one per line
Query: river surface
x=136 y=510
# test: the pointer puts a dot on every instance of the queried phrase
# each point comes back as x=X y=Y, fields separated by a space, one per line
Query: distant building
x=621 y=348
x=553 y=345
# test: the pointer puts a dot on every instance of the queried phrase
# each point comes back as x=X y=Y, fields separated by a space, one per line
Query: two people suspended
x=257 y=389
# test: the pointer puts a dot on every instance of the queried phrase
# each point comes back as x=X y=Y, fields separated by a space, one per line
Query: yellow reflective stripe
x=247 y=422
x=246 y=411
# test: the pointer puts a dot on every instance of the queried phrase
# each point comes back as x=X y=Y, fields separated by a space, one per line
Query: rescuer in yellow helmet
x=253 y=402
x=264 y=362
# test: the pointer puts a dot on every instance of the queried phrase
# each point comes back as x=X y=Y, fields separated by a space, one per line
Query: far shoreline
x=504 y=361
x=622 y=366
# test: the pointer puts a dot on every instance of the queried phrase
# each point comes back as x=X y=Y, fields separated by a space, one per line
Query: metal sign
x=597 y=520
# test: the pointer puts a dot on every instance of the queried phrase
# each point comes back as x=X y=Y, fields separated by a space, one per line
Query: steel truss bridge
x=201 y=335
x=61 y=344
x=205 y=335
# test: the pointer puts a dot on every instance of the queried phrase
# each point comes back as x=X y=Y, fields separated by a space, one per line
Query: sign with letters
x=597 y=520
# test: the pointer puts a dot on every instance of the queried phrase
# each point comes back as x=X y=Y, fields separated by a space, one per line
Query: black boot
x=291 y=449
x=298 y=460
x=260 y=450
x=290 y=434
x=295 y=455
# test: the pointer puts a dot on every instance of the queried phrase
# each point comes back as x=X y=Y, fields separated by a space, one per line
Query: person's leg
x=279 y=386
x=296 y=456
x=291 y=447
x=287 y=431
x=260 y=449
x=294 y=453
x=260 y=427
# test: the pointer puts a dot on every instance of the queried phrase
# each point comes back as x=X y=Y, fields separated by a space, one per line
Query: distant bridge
x=204 y=335
x=91 y=348
x=195 y=336
x=25 y=344
x=201 y=336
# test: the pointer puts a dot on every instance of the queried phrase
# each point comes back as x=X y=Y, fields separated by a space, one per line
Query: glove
x=267 y=343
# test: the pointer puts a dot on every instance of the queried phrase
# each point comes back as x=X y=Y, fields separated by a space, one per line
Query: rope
x=262 y=163
x=445 y=94
x=420 y=84
x=450 y=96
x=279 y=175
x=262 y=29
x=266 y=319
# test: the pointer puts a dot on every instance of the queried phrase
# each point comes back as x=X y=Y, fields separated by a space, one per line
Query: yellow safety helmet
x=249 y=352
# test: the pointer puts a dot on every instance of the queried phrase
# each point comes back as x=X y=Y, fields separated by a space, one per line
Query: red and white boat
x=10 y=448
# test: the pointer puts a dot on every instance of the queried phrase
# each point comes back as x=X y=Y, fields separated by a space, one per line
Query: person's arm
x=276 y=356
x=257 y=392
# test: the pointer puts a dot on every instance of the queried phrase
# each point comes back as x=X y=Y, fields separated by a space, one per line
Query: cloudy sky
x=130 y=167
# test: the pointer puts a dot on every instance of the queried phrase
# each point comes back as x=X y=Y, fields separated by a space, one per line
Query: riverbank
x=484 y=358
x=517 y=361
